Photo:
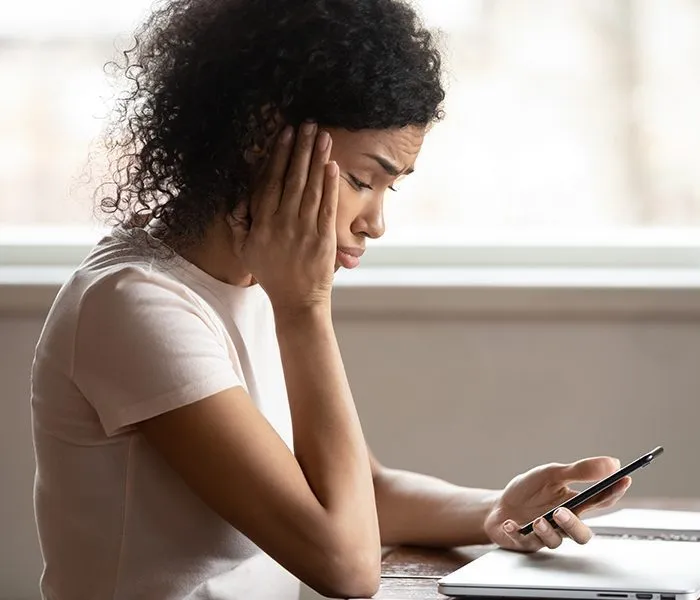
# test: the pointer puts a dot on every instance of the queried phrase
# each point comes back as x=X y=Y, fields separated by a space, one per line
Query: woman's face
x=370 y=163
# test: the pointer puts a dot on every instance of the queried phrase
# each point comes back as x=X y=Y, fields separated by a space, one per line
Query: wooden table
x=412 y=573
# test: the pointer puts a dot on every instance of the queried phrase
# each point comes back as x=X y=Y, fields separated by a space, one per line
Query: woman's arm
x=314 y=514
x=420 y=510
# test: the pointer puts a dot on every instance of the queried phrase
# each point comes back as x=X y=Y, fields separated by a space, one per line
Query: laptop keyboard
x=661 y=536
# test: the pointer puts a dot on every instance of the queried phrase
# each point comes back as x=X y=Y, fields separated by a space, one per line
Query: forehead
x=402 y=145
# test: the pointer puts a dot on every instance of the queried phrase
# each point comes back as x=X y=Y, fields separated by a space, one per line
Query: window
x=573 y=118
x=52 y=54
x=563 y=118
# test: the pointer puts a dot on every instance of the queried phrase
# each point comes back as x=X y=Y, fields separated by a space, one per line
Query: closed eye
x=361 y=185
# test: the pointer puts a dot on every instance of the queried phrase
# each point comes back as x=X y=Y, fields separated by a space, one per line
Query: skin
x=360 y=210
x=323 y=511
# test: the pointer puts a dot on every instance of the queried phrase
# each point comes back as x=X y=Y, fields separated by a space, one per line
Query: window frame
x=622 y=279
x=673 y=248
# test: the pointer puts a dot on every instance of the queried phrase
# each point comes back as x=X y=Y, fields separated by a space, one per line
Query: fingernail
x=308 y=128
x=563 y=515
x=323 y=139
x=332 y=168
x=541 y=525
x=509 y=527
x=287 y=134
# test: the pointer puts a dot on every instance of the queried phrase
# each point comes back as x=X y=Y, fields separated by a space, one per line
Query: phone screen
x=595 y=489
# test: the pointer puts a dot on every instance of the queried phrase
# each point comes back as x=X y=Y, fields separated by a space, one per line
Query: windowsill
x=398 y=292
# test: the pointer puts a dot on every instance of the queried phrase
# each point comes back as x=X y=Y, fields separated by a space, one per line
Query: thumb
x=590 y=469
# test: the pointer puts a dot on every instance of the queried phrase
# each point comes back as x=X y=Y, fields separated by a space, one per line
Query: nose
x=370 y=222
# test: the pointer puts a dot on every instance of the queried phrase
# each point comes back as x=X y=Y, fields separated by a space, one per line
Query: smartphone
x=595 y=489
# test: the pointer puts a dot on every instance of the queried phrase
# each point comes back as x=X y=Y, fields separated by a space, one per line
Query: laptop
x=605 y=568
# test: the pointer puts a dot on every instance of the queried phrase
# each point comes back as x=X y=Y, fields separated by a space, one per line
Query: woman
x=189 y=399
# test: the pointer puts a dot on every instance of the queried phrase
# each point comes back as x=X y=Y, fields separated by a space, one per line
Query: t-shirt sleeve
x=144 y=346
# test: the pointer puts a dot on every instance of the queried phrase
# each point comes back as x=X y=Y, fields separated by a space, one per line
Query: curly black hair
x=204 y=77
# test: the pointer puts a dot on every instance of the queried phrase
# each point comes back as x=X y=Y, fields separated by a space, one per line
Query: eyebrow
x=388 y=166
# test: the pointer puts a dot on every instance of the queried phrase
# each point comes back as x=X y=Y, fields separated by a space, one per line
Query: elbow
x=350 y=573
x=352 y=581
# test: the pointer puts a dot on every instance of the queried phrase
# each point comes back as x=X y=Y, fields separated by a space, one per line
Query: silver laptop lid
x=605 y=568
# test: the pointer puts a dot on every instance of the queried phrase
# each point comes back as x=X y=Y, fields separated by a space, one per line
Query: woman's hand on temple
x=537 y=491
x=286 y=236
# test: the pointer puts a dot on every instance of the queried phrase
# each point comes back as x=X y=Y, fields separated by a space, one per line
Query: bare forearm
x=328 y=440
x=420 y=510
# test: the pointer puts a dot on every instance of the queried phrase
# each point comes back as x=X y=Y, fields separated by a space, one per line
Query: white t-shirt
x=132 y=335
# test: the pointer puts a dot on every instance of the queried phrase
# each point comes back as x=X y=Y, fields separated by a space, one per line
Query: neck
x=215 y=255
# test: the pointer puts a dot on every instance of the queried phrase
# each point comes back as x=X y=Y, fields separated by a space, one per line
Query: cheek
x=346 y=211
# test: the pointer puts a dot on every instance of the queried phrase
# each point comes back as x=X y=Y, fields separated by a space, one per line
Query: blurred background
x=562 y=116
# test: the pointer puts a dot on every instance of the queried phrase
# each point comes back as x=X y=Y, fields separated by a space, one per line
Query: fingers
x=297 y=181
x=313 y=192
x=329 y=202
x=545 y=535
x=298 y=173
x=267 y=198
x=588 y=469
x=524 y=543
x=549 y=536
x=572 y=526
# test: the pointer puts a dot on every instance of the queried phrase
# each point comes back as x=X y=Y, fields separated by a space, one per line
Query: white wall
x=472 y=399
x=480 y=401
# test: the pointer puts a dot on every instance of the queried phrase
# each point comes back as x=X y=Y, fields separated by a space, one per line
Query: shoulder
x=139 y=296
x=130 y=270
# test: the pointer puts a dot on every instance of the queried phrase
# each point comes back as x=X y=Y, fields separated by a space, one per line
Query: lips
x=349 y=257
x=352 y=251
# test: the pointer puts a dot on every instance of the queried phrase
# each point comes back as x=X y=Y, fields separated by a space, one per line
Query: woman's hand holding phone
x=535 y=492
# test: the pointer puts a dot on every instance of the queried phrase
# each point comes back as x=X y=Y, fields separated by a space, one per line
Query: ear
x=253 y=155
x=239 y=222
